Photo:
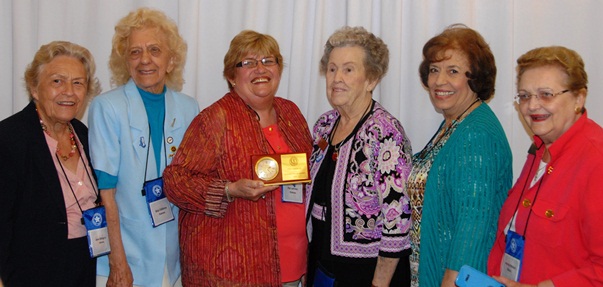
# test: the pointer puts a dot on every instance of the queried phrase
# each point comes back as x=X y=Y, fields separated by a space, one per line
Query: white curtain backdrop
x=301 y=27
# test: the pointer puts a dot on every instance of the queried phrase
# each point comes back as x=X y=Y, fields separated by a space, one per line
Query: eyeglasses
x=252 y=63
x=543 y=95
x=136 y=53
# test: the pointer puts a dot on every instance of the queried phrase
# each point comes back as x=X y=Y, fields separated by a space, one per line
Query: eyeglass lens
x=252 y=63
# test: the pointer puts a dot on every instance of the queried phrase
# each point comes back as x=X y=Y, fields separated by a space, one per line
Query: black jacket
x=33 y=218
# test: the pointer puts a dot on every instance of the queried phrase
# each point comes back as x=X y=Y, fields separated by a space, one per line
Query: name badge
x=96 y=229
x=160 y=208
x=293 y=193
x=511 y=261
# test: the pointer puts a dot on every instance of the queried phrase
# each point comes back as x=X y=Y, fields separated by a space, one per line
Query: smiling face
x=348 y=87
x=149 y=59
x=448 y=86
x=257 y=84
x=62 y=87
x=549 y=120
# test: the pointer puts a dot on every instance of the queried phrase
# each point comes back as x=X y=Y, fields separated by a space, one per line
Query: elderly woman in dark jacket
x=45 y=176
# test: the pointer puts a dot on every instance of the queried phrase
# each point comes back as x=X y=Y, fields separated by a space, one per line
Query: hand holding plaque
x=277 y=169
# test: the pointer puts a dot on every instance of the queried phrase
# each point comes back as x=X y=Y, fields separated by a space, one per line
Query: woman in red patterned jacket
x=234 y=231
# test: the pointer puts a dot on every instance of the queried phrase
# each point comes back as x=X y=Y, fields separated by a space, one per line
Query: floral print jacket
x=370 y=212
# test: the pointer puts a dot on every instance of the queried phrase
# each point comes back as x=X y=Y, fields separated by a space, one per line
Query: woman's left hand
x=511 y=283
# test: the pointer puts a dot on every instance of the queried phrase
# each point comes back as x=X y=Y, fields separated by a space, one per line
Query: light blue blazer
x=119 y=138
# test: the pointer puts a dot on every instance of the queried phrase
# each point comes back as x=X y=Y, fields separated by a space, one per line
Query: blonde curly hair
x=147 y=18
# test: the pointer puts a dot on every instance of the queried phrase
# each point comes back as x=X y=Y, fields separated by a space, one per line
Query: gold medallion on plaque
x=266 y=168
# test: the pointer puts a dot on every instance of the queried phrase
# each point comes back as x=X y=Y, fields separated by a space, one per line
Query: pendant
x=334 y=156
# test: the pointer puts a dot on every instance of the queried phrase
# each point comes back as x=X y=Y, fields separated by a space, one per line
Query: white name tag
x=99 y=242
x=293 y=193
x=161 y=211
x=510 y=267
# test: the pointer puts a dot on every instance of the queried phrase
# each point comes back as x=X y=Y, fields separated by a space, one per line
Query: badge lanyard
x=158 y=205
x=514 y=242
x=93 y=219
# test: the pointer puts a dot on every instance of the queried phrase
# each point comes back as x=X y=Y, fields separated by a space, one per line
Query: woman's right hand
x=249 y=189
x=120 y=275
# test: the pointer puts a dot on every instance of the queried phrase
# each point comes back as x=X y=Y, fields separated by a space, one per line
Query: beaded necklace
x=71 y=137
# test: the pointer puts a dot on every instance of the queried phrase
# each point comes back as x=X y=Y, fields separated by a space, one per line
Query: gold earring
x=578 y=110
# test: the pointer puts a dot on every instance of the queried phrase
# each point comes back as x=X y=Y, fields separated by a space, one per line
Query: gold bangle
x=228 y=198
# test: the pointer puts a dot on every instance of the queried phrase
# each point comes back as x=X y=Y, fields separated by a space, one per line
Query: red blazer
x=564 y=236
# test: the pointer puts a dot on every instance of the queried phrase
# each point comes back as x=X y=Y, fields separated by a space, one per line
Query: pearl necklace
x=71 y=137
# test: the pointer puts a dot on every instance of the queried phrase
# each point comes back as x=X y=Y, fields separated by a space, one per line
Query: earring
x=578 y=110
x=233 y=84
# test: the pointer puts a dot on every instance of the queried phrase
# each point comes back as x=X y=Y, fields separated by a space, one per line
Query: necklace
x=337 y=146
x=441 y=134
x=71 y=137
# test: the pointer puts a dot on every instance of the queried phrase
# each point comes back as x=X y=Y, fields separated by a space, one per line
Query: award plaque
x=277 y=169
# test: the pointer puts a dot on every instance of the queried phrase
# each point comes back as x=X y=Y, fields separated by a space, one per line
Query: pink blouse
x=83 y=188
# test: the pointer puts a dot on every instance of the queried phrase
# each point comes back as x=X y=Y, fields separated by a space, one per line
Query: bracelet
x=228 y=198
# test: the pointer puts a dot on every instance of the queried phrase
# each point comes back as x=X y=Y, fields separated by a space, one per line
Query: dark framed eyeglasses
x=252 y=63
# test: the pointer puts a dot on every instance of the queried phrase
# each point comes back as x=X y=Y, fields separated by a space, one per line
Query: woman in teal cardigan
x=460 y=179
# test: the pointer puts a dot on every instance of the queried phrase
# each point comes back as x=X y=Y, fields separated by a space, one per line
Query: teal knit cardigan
x=465 y=189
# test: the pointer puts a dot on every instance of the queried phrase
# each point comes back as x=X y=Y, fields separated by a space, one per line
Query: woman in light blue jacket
x=135 y=131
